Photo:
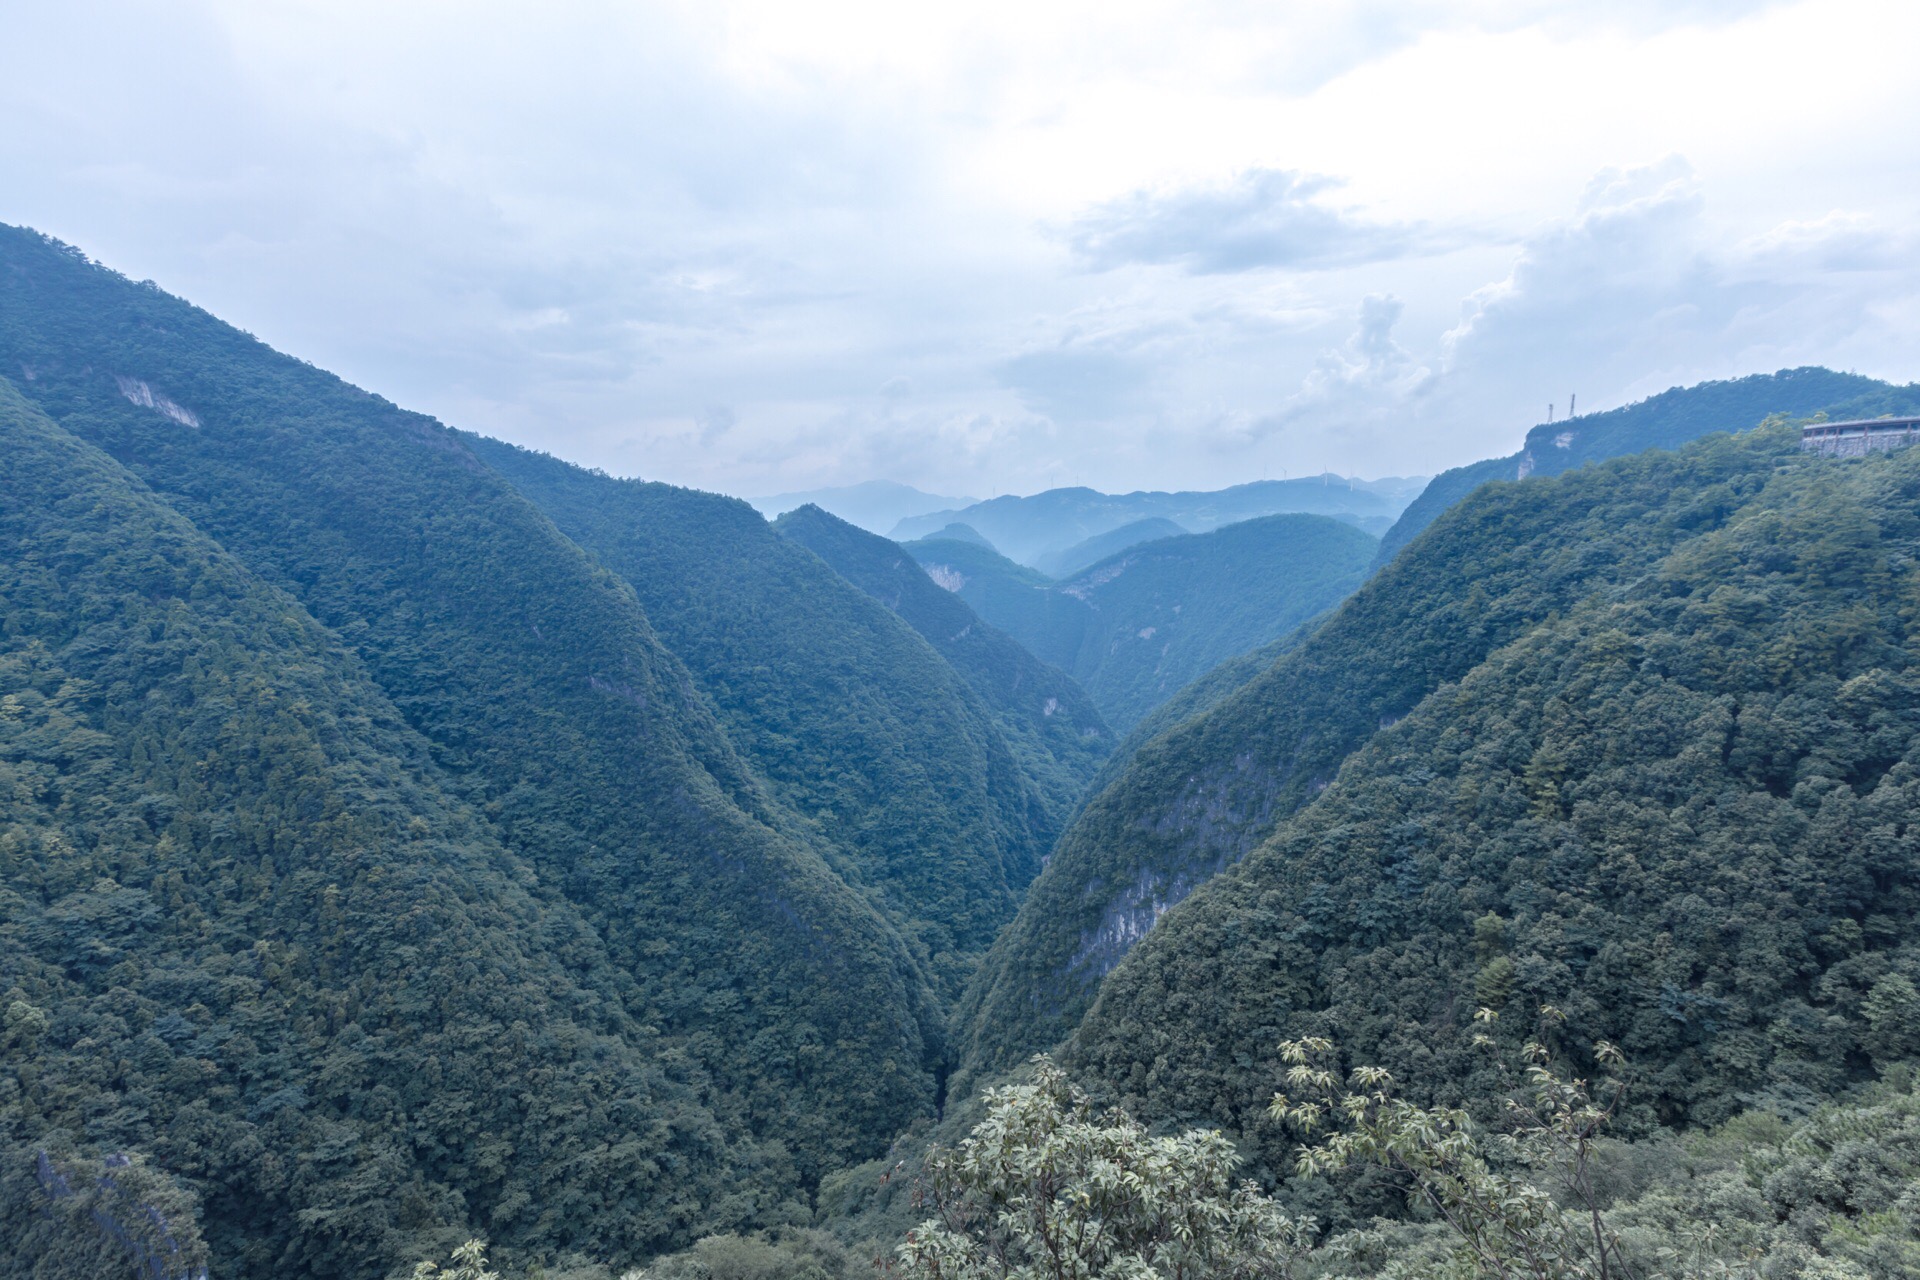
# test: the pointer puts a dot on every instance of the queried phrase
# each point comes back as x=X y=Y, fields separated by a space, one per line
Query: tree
x=1045 y=1188
x=1520 y=1203
x=469 y=1263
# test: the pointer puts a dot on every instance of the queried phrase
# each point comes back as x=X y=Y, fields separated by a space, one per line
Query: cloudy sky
x=994 y=246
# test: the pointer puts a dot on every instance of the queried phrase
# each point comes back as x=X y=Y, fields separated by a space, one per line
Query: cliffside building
x=1859 y=437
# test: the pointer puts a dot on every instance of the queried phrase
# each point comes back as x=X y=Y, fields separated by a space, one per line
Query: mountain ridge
x=1676 y=809
x=529 y=676
x=1666 y=420
x=1028 y=528
x=1138 y=625
x=838 y=703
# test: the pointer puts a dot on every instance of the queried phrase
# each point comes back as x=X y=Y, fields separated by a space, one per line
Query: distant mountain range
x=1047 y=527
x=874 y=505
x=1082 y=555
x=1136 y=626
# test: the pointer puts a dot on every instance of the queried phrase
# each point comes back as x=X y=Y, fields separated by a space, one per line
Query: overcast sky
x=995 y=246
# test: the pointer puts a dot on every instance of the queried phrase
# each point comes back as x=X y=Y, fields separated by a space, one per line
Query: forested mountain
x=1046 y=717
x=1680 y=807
x=1081 y=555
x=251 y=929
x=406 y=837
x=1023 y=602
x=1664 y=421
x=910 y=780
x=876 y=505
x=1198 y=797
x=1139 y=625
x=1029 y=529
x=618 y=838
x=960 y=533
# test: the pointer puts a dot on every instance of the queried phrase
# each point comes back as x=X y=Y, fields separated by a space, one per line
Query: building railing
x=1860 y=436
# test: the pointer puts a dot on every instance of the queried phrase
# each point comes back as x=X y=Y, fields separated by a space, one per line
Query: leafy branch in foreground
x=469 y=1263
x=1045 y=1188
x=1521 y=1203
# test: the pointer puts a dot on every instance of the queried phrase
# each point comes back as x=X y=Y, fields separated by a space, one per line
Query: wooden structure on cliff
x=1860 y=437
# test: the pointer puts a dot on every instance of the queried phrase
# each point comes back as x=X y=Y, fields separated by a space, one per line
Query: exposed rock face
x=946 y=577
x=138 y=392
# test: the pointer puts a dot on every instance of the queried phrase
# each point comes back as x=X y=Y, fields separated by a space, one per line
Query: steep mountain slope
x=1665 y=421
x=1082 y=555
x=856 y=722
x=1029 y=528
x=1046 y=717
x=537 y=679
x=1197 y=798
x=1022 y=602
x=1684 y=811
x=1199 y=697
x=249 y=928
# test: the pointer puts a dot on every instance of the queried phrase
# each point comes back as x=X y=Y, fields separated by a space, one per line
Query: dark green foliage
x=1045 y=716
x=529 y=677
x=1689 y=798
x=1081 y=555
x=1198 y=797
x=248 y=930
x=1169 y=611
x=1665 y=421
x=906 y=779
x=789 y=1254
x=1201 y=696
x=1140 y=625
x=115 y=1219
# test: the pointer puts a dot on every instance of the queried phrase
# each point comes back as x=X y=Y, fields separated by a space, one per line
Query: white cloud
x=1263 y=218
x=761 y=246
x=1637 y=292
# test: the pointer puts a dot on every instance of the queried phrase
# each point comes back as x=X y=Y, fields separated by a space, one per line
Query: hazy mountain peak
x=874 y=505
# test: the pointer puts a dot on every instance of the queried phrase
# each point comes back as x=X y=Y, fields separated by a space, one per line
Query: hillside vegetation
x=251 y=929
x=727 y=950
x=1045 y=715
x=1680 y=808
x=1022 y=602
x=1177 y=808
x=907 y=777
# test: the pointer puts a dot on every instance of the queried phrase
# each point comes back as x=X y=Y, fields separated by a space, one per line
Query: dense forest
x=727 y=946
x=1045 y=715
x=908 y=777
x=1193 y=796
x=420 y=856
x=1680 y=811
x=255 y=933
